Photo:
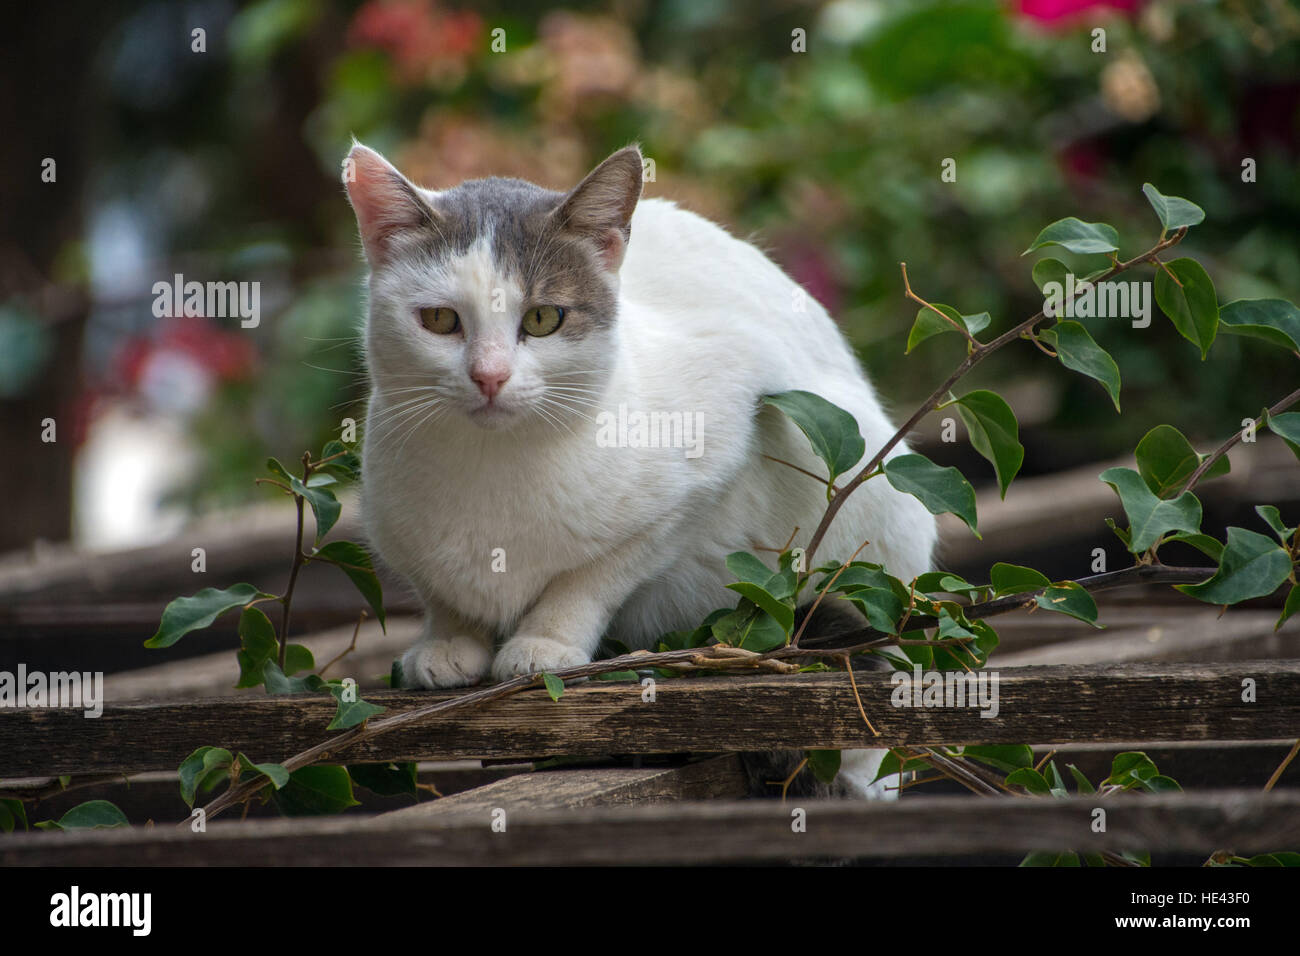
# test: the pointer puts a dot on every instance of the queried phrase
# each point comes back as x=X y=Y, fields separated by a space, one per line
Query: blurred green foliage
x=830 y=158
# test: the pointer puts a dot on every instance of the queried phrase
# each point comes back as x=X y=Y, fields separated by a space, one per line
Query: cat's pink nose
x=490 y=381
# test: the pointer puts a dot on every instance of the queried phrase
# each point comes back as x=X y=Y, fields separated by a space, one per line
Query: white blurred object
x=128 y=462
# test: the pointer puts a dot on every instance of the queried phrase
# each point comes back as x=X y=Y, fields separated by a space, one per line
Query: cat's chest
x=499 y=526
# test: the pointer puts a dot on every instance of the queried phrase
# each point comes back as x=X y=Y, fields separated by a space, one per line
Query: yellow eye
x=543 y=320
x=440 y=321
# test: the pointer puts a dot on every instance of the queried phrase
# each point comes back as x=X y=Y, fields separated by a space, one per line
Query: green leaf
x=1273 y=518
x=91 y=815
x=386 y=779
x=1082 y=782
x=354 y=561
x=1286 y=427
x=1031 y=780
x=783 y=614
x=277 y=683
x=747 y=567
x=1014 y=579
x=1290 y=607
x=882 y=608
x=1050 y=270
x=1079 y=352
x=1193 y=307
x=750 y=627
x=832 y=432
x=1077 y=236
x=198 y=611
x=928 y=324
x=324 y=505
x=350 y=712
x=1161 y=784
x=12 y=812
x=1150 y=517
x=315 y=790
x=273 y=771
x=1130 y=768
x=1252 y=566
x=201 y=769
x=1174 y=211
x=258 y=644
x=1166 y=459
x=1070 y=597
x=1273 y=320
x=825 y=764
x=1208 y=546
x=347 y=467
x=940 y=489
x=554 y=686
x=994 y=432
x=1055 y=782
x=1005 y=757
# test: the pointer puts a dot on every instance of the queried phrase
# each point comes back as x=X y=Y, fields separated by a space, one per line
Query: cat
x=518 y=342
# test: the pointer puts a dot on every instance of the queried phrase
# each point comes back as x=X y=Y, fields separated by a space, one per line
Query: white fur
x=628 y=541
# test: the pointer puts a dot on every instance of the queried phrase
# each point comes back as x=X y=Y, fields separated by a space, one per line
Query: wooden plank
x=715 y=777
x=1152 y=702
x=1177 y=637
x=715 y=831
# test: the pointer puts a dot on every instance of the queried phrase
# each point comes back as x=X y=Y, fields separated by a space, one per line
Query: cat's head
x=496 y=297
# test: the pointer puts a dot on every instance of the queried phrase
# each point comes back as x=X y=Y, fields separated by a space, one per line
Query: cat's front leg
x=449 y=653
x=565 y=625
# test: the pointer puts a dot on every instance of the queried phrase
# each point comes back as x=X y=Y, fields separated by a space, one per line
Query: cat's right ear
x=385 y=201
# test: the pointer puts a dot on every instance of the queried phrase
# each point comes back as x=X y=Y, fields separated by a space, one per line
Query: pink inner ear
x=611 y=250
x=380 y=198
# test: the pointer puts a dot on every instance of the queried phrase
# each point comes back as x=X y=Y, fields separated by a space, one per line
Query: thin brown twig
x=977 y=353
x=350 y=648
x=1237 y=436
x=1286 y=762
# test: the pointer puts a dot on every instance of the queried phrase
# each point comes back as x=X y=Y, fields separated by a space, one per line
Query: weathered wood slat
x=1161 y=637
x=1151 y=702
x=715 y=831
x=715 y=777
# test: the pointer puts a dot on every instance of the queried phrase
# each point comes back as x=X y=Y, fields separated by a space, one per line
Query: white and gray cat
x=509 y=325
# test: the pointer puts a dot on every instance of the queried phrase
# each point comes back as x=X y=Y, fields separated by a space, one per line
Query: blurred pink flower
x=1060 y=13
x=419 y=36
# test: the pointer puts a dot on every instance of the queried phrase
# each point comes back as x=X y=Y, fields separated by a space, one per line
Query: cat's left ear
x=600 y=207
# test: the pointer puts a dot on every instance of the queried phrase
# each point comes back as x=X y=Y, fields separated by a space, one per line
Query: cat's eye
x=440 y=320
x=543 y=320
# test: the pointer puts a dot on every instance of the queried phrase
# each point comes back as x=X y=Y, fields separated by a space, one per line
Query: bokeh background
x=223 y=165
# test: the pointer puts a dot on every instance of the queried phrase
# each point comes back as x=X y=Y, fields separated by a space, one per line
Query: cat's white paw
x=445 y=662
x=530 y=655
x=858 y=769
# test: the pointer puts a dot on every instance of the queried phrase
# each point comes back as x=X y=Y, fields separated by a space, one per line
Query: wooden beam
x=714 y=777
x=1074 y=704
x=715 y=831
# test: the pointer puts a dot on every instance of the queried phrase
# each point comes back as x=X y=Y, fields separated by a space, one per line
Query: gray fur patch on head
x=553 y=265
